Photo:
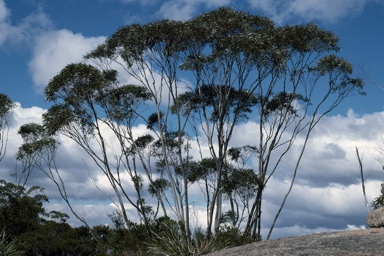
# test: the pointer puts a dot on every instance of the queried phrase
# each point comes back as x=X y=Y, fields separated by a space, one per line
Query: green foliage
x=283 y=102
x=121 y=240
x=158 y=186
x=58 y=118
x=168 y=239
x=78 y=82
x=199 y=170
x=378 y=202
x=61 y=217
x=132 y=41
x=51 y=238
x=6 y=105
x=232 y=236
x=20 y=209
x=120 y=103
x=241 y=66
x=77 y=91
x=308 y=38
x=8 y=246
x=241 y=180
x=23 y=216
x=202 y=245
x=214 y=96
x=36 y=139
x=156 y=121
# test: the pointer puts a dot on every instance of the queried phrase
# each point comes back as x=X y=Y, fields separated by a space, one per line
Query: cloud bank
x=326 y=196
x=24 y=32
x=327 y=11
x=56 y=49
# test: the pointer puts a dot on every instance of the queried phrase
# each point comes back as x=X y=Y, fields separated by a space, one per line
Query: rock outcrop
x=351 y=243
x=375 y=219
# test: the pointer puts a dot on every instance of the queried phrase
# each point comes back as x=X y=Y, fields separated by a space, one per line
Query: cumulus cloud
x=54 y=50
x=4 y=26
x=326 y=196
x=20 y=116
x=94 y=213
x=329 y=11
x=310 y=209
x=186 y=9
x=23 y=32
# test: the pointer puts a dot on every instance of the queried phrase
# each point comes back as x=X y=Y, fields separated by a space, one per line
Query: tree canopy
x=192 y=83
x=6 y=106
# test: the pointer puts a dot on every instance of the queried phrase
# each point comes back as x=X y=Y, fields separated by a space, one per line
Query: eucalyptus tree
x=150 y=55
x=240 y=184
x=88 y=101
x=219 y=57
x=195 y=82
x=36 y=149
x=38 y=152
x=6 y=106
x=307 y=81
x=21 y=209
x=288 y=77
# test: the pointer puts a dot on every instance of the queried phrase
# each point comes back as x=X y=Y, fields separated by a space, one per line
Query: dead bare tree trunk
x=362 y=179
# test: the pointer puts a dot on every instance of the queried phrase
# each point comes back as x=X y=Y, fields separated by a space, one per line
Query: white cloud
x=54 y=50
x=312 y=209
x=94 y=214
x=26 y=115
x=216 y=3
x=142 y=2
x=24 y=32
x=4 y=26
x=328 y=11
x=326 y=196
x=327 y=188
x=186 y=9
x=22 y=116
x=178 y=10
x=297 y=230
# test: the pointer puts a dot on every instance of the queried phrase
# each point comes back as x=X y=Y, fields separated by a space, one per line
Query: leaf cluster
x=224 y=100
x=36 y=139
x=80 y=90
x=6 y=105
x=20 y=209
x=8 y=246
x=239 y=62
x=378 y=202
x=284 y=102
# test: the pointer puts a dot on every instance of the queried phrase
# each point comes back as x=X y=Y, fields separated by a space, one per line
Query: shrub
x=8 y=246
x=378 y=202
x=167 y=239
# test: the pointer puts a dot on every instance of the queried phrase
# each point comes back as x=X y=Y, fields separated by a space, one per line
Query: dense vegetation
x=191 y=84
x=27 y=229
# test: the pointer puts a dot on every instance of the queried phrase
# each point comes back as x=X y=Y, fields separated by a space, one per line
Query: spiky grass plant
x=8 y=248
x=168 y=241
x=203 y=246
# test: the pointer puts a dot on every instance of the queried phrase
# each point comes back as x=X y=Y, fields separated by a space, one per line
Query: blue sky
x=39 y=37
x=358 y=26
